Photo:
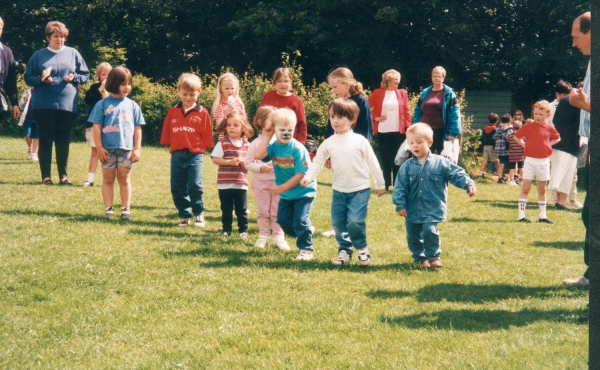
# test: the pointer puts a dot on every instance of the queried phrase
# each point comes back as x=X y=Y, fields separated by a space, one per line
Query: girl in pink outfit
x=262 y=179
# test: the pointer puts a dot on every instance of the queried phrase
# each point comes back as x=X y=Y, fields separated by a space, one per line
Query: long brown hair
x=247 y=130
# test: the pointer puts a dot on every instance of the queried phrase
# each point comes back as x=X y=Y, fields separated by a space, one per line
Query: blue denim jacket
x=423 y=190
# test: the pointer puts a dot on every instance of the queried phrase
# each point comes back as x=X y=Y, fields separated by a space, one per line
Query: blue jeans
x=292 y=216
x=186 y=183
x=423 y=241
x=348 y=214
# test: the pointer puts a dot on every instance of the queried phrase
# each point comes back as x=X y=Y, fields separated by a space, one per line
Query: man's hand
x=16 y=112
x=577 y=98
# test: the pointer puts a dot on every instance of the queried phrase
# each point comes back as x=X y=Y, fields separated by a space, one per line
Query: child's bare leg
x=108 y=181
x=124 y=177
x=35 y=144
x=28 y=141
x=541 y=187
x=500 y=168
x=93 y=161
x=482 y=169
x=525 y=189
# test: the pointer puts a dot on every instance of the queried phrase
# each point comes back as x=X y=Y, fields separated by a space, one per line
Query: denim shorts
x=30 y=128
x=118 y=158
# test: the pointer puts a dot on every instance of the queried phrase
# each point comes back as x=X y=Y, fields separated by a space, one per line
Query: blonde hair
x=387 y=76
x=247 y=130
x=283 y=117
x=441 y=69
x=56 y=26
x=189 y=82
x=236 y=95
x=262 y=113
x=420 y=129
x=282 y=71
x=543 y=105
x=517 y=124
x=102 y=67
x=344 y=107
x=345 y=76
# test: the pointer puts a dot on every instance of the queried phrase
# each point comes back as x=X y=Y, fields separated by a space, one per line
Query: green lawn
x=80 y=292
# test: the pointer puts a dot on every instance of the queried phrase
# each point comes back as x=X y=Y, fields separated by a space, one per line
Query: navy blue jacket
x=8 y=74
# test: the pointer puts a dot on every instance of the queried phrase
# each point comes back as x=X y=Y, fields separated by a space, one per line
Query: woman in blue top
x=439 y=108
x=55 y=72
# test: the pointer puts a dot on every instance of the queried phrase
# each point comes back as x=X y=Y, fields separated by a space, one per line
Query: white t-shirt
x=553 y=106
x=352 y=162
x=390 y=108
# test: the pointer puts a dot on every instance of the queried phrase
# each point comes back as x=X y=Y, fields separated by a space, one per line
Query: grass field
x=80 y=292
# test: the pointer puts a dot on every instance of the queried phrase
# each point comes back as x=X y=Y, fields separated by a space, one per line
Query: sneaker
x=546 y=221
x=576 y=204
x=109 y=213
x=88 y=184
x=513 y=183
x=501 y=181
x=199 y=220
x=525 y=219
x=304 y=255
x=364 y=257
x=34 y=157
x=225 y=233
x=125 y=214
x=424 y=264
x=581 y=282
x=183 y=222
x=281 y=243
x=29 y=154
x=436 y=263
x=328 y=233
x=244 y=236
x=343 y=258
x=262 y=241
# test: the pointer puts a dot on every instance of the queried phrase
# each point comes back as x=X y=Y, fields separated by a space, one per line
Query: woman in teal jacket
x=439 y=108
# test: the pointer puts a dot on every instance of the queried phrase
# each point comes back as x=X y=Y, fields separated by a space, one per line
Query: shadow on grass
x=77 y=217
x=475 y=293
x=573 y=246
x=22 y=183
x=327 y=184
x=512 y=204
x=468 y=219
x=480 y=320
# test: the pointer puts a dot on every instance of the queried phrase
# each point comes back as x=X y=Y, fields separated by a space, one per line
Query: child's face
x=102 y=75
x=283 y=85
x=418 y=145
x=284 y=133
x=341 y=124
x=227 y=88
x=234 y=128
x=188 y=98
x=124 y=90
x=340 y=90
x=540 y=115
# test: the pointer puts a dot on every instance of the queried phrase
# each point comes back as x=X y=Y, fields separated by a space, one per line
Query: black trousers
x=585 y=215
x=438 y=141
x=54 y=128
x=389 y=143
x=234 y=199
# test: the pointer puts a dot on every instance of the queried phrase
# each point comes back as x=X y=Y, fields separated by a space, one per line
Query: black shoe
x=560 y=206
x=48 y=182
x=65 y=182
x=526 y=220
x=546 y=221
x=584 y=317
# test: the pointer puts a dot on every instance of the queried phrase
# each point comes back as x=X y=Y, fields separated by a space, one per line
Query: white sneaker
x=199 y=220
x=281 y=243
x=343 y=258
x=262 y=241
x=109 y=213
x=512 y=183
x=125 y=214
x=576 y=204
x=304 y=255
x=34 y=157
x=364 y=257
x=88 y=184
x=328 y=233
x=29 y=154
x=244 y=236
x=581 y=282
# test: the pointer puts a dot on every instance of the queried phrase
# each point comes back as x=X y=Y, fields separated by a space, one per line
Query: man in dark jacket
x=8 y=77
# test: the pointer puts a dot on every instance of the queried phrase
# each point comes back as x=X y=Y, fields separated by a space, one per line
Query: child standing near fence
x=187 y=129
x=263 y=178
x=353 y=162
x=118 y=125
x=30 y=130
x=227 y=99
x=96 y=93
x=232 y=179
x=421 y=194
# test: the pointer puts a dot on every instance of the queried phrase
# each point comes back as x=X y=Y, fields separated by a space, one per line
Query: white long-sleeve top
x=352 y=161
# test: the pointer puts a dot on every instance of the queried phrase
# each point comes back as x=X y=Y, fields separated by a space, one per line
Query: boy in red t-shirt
x=540 y=137
x=187 y=129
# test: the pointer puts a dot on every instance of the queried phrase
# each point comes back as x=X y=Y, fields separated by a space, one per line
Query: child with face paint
x=290 y=163
x=353 y=162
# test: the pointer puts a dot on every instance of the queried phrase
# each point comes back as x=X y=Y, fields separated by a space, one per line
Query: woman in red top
x=282 y=97
x=391 y=118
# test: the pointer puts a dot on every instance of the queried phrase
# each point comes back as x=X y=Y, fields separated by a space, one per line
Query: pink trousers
x=266 y=207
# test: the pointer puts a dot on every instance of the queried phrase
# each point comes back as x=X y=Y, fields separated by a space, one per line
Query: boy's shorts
x=118 y=158
x=536 y=169
x=516 y=164
x=488 y=153
x=30 y=129
x=503 y=159
x=89 y=137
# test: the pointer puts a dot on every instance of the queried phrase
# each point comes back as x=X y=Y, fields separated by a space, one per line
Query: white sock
x=90 y=177
x=522 y=206
x=542 y=206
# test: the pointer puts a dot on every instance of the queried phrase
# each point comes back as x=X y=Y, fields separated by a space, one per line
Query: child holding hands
x=118 y=125
x=187 y=129
x=290 y=163
x=352 y=161
x=421 y=194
